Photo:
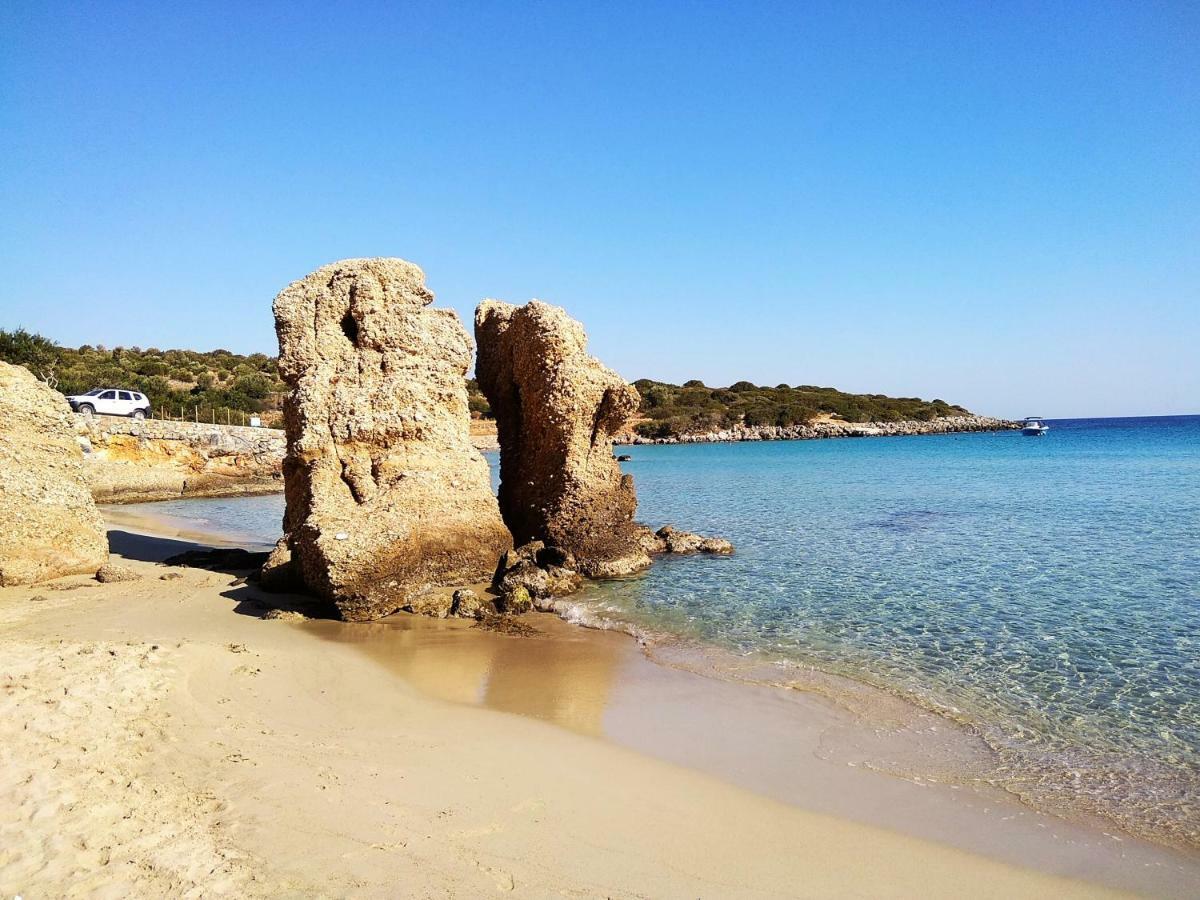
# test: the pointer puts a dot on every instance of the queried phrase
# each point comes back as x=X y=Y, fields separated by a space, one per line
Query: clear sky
x=997 y=204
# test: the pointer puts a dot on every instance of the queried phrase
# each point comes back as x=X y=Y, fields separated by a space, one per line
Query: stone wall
x=131 y=461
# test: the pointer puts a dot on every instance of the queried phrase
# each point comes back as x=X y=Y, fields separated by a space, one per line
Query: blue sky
x=995 y=204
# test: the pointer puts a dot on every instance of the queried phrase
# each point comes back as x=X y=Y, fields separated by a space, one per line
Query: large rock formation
x=50 y=526
x=386 y=497
x=556 y=410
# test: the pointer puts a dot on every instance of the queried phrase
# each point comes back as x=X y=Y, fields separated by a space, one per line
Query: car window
x=124 y=395
x=109 y=395
x=93 y=392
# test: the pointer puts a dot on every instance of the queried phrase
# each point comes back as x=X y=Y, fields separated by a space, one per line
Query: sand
x=159 y=738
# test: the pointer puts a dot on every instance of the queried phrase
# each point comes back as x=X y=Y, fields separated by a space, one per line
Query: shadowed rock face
x=386 y=497
x=557 y=409
x=50 y=524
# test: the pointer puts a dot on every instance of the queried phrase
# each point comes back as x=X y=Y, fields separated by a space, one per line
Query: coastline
x=710 y=787
x=129 y=461
x=833 y=428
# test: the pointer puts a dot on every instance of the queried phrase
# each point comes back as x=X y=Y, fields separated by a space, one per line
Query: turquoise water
x=1045 y=593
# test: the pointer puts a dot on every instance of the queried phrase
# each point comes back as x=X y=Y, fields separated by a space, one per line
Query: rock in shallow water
x=672 y=540
x=557 y=409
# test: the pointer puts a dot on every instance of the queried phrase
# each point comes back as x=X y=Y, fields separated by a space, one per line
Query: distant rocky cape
x=832 y=429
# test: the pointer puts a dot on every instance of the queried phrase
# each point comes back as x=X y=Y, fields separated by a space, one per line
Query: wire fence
x=214 y=415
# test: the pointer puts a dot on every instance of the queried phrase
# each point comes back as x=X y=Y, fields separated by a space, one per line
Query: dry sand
x=158 y=738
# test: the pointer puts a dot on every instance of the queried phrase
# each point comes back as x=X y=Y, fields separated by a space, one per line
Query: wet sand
x=205 y=751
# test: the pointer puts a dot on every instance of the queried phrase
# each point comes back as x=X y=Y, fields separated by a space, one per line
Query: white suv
x=111 y=402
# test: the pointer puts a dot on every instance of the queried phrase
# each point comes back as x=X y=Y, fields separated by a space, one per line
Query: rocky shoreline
x=132 y=461
x=833 y=429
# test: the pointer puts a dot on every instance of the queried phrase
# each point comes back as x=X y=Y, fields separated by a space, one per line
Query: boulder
x=469 y=605
x=386 y=497
x=436 y=604
x=671 y=540
x=515 y=601
x=557 y=409
x=285 y=615
x=542 y=571
x=561 y=581
x=111 y=573
x=50 y=523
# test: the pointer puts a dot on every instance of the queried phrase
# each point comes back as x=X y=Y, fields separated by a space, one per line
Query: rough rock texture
x=556 y=410
x=50 y=526
x=672 y=540
x=469 y=605
x=132 y=461
x=542 y=571
x=515 y=602
x=110 y=573
x=386 y=497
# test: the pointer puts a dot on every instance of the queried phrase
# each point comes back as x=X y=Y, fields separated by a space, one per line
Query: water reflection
x=562 y=675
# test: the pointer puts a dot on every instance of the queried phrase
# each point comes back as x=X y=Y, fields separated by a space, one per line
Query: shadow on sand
x=243 y=565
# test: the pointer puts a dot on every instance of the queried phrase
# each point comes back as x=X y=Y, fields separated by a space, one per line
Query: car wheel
x=139 y=414
x=87 y=409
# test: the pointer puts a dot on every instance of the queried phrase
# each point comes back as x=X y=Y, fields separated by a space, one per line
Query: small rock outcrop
x=386 y=497
x=50 y=523
x=669 y=539
x=469 y=605
x=539 y=571
x=557 y=409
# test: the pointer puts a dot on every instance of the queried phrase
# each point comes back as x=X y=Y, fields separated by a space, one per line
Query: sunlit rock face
x=386 y=497
x=50 y=523
x=557 y=409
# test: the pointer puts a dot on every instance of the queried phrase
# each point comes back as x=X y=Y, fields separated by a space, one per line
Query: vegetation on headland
x=672 y=410
x=183 y=383
x=177 y=382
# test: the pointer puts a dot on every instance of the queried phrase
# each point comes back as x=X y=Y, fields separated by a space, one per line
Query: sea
x=1041 y=594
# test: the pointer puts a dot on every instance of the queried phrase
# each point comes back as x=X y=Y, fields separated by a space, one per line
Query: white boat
x=1033 y=426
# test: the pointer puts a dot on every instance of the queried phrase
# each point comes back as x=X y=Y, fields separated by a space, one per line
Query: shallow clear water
x=1043 y=591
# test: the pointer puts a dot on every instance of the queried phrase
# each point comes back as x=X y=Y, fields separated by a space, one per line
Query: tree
x=38 y=354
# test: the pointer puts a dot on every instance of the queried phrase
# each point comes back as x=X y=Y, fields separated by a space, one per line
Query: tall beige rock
x=386 y=497
x=49 y=525
x=557 y=409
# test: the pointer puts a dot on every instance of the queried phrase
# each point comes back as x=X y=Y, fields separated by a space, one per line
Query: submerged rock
x=670 y=540
x=50 y=523
x=386 y=497
x=557 y=409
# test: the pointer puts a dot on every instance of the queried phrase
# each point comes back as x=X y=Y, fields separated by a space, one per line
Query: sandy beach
x=160 y=738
